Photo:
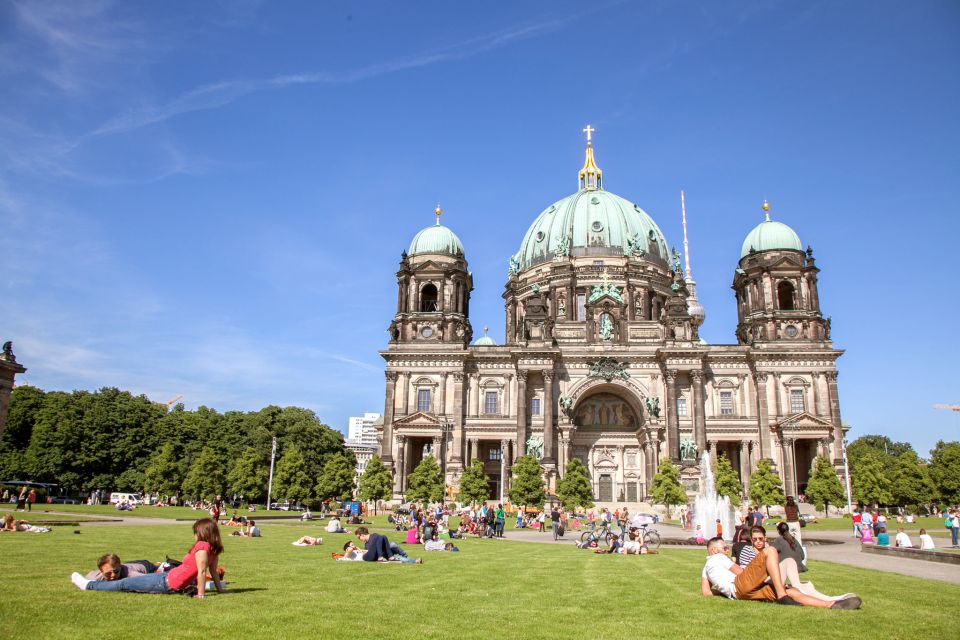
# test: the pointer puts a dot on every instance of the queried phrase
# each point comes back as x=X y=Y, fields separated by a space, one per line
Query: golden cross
x=588 y=131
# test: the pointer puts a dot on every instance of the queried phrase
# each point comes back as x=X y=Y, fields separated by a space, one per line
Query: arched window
x=428 y=298
x=785 y=295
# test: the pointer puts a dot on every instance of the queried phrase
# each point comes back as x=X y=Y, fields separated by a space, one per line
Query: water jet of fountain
x=708 y=506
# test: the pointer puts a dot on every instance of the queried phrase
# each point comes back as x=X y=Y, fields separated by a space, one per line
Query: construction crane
x=947 y=407
x=170 y=402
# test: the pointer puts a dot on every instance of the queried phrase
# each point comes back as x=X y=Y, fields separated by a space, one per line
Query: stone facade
x=602 y=361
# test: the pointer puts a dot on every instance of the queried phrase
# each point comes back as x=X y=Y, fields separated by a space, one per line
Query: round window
x=597 y=225
x=594 y=200
x=540 y=236
x=791 y=331
x=427 y=331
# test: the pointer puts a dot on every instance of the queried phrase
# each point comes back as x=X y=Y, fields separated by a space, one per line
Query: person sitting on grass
x=902 y=540
x=251 y=530
x=203 y=556
x=11 y=525
x=110 y=568
x=883 y=540
x=234 y=521
x=926 y=541
x=760 y=580
x=307 y=541
x=333 y=526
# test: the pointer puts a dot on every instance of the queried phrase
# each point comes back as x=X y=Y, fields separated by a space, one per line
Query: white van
x=131 y=498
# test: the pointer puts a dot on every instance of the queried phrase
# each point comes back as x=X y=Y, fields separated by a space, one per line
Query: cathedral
x=602 y=360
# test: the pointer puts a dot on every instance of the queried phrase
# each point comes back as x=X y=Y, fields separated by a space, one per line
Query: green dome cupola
x=770 y=235
x=436 y=239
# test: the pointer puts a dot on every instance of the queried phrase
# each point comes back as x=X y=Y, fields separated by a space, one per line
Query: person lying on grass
x=353 y=553
x=307 y=541
x=11 y=525
x=378 y=548
x=110 y=568
x=439 y=545
x=203 y=555
x=760 y=580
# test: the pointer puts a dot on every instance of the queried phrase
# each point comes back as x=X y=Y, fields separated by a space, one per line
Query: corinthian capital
x=391 y=376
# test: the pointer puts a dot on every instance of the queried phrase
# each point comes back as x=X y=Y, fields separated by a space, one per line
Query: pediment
x=418 y=419
x=804 y=420
x=787 y=261
x=598 y=302
x=430 y=265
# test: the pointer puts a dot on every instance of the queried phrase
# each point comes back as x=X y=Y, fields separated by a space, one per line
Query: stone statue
x=535 y=287
x=563 y=247
x=688 y=450
x=566 y=404
x=653 y=406
x=561 y=307
x=514 y=265
x=535 y=446
x=676 y=261
x=606 y=327
x=635 y=246
x=8 y=351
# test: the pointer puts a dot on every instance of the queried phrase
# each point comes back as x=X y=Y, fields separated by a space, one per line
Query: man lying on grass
x=759 y=580
x=378 y=548
x=352 y=553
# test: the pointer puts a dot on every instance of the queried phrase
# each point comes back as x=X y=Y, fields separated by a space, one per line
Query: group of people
x=25 y=498
x=9 y=524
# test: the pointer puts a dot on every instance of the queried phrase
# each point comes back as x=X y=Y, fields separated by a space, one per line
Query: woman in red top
x=203 y=555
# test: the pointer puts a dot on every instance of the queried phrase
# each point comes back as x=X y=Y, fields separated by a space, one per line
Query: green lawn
x=492 y=589
x=172 y=513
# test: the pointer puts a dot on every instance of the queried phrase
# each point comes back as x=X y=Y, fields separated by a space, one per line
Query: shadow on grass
x=243 y=590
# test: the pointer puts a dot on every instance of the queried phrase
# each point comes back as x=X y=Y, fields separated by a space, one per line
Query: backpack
x=948 y=522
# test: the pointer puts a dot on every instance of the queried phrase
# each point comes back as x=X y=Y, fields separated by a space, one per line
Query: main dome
x=591 y=222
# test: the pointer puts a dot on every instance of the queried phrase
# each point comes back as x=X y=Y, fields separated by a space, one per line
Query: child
x=699 y=534
x=719 y=529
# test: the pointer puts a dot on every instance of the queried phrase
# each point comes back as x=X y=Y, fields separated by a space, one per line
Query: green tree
x=376 y=483
x=526 y=486
x=945 y=470
x=336 y=481
x=205 y=478
x=765 y=486
x=727 y=480
x=291 y=480
x=824 y=487
x=425 y=482
x=248 y=475
x=910 y=483
x=869 y=479
x=878 y=444
x=474 y=484
x=573 y=489
x=666 y=488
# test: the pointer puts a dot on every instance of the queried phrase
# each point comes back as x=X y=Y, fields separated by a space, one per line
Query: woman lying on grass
x=9 y=524
x=203 y=555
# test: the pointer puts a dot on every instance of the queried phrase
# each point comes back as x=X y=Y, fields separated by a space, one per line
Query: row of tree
x=890 y=473
x=111 y=440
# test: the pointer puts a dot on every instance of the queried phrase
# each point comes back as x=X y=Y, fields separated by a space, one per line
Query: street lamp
x=446 y=428
x=846 y=477
x=273 y=456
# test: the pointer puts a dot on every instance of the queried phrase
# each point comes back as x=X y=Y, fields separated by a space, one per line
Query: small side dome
x=436 y=239
x=770 y=235
x=485 y=341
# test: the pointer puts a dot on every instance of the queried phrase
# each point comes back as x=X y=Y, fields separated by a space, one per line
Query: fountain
x=708 y=506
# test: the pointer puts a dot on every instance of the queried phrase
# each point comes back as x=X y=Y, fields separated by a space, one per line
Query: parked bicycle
x=649 y=537
x=593 y=534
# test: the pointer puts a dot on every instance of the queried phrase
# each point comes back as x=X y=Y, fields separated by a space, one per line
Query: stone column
x=475 y=394
x=834 y=400
x=744 y=388
x=443 y=394
x=504 y=452
x=699 y=420
x=456 y=456
x=521 y=414
x=620 y=491
x=815 y=389
x=400 y=475
x=507 y=409
x=745 y=464
x=438 y=452
x=648 y=466
x=777 y=409
x=763 y=418
x=673 y=424
x=549 y=449
x=408 y=393
x=474 y=448
x=789 y=463
x=386 y=443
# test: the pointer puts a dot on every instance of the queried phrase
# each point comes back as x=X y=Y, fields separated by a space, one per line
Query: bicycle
x=650 y=537
x=594 y=535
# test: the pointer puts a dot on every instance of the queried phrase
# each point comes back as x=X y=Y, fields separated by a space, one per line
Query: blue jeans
x=147 y=583
x=953 y=533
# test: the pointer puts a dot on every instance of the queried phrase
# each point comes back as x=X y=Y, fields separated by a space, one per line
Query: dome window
x=594 y=200
x=597 y=226
x=540 y=236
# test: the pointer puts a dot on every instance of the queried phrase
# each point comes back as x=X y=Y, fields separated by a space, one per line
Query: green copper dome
x=591 y=222
x=485 y=341
x=436 y=239
x=769 y=235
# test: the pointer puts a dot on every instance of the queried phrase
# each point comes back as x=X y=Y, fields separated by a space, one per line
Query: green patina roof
x=436 y=239
x=485 y=341
x=593 y=219
x=771 y=234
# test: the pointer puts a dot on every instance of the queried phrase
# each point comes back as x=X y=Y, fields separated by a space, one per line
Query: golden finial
x=589 y=130
x=438 y=212
x=486 y=329
x=591 y=177
x=766 y=209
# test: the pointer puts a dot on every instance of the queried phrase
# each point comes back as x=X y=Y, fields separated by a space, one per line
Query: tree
x=248 y=475
x=910 y=482
x=945 y=470
x=205 y=477
x=291 y=480
x=871 y=485
x=666 y=488
x=727 y=480
x=336 y=481
x=164 y=474
x=765 y=486
x=376 y=483
x=573 y=489
x=878 y=444
x=474 y=483
x=526 y=486
x=824 y=488
x=425 y=482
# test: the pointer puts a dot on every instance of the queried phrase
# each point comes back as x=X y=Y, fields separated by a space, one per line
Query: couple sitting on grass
x=762 y=578
x=199 y=565
x=377 y=549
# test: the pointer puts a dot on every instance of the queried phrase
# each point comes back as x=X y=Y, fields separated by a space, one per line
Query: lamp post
x=846 y=477
x=446 y=428
x=273 y=457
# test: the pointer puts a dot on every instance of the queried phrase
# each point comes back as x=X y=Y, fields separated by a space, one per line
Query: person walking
x=555 y=521
x=500 y=520
x=31 y=498
x=955 y=529
x=791 y=514
x=22 y=499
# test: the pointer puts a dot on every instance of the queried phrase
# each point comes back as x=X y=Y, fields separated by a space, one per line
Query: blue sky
x=210 y=199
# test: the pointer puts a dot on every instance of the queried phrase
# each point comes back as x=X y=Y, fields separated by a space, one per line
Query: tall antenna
x=686 y=246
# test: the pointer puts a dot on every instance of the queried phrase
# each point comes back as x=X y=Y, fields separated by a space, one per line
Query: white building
x=362 y=430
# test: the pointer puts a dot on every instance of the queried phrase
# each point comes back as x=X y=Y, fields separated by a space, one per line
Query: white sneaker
x=78 y=580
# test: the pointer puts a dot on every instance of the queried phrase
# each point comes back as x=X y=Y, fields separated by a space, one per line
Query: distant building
x=362 y=429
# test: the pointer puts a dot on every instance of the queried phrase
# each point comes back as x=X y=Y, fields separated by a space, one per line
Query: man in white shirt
x=334 y=526
x=903 y=540
x=926 y=542
x=760 y=580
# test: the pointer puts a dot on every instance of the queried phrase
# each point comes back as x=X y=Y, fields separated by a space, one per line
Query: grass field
x=492 y=589
x=172 y=513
